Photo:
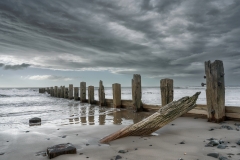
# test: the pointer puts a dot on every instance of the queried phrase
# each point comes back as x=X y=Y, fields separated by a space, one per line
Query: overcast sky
x=58 y=42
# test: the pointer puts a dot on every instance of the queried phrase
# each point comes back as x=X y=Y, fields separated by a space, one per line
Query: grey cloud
x=49 y=77
x=16 y=67
x=1 y=64
x=150 y=37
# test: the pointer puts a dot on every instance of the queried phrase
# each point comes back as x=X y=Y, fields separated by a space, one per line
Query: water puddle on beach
x=86 y=114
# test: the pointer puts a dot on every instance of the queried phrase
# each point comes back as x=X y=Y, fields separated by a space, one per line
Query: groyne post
x=62 y=91
x=101 y=94
x=51 y=91
x=76 y=93
x=66 y=92
x=83 y=92
x=59 y=92
x=166 y=87
x=90 y=94
x=137 y=92
x=70 y=91
x=55 y=91
x=215 y=91
x=116 y=89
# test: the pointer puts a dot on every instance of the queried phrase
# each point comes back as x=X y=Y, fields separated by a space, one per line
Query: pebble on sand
x=34 y=121
x=61 y=149
x=214 y=155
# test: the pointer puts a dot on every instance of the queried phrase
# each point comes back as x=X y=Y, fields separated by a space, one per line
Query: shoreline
x=194 y=132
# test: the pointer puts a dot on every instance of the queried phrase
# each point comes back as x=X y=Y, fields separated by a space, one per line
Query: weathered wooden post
x=137 y=92
x=70 y=91
x=59 y=92
x=166 y=86
x=62 y=91
x=83 y=92
x=116 y=87
x=55 y=91
x=90 y=94
x=66 y=93
x=76 y=93
x=51 y=91
x=101 y=94
x=215 y=91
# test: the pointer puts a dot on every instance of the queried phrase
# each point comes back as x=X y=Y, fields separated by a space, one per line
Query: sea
x=18 y=105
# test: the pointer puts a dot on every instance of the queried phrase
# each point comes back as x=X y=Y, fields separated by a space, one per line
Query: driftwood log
x=157 y=120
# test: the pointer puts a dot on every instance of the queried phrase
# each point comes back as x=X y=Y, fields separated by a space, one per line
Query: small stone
x=238 y=142
x=227 y=127
x=61 y=149
x=2 y=153
x=185 y=153
x=173 y=124
x=215 y=155
x=7 y=141
x=180 y=159
x=80 y=153
x=221 y=146
x=223 y=158
x=35 y=120
x=87 y=144
x=211 y=129
x=230 y=154
x=233 y=146
x=150 y=145
x=238 y=154
x=87 y=157
x=64 y=136
x=136 y=149
x=27 y=131
x=121 y=151
x=212 y=143
x=118 y=157
x=221 y=141
x=182 y=142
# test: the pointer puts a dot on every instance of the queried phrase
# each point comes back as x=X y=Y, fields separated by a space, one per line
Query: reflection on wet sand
x=88 y=114
x=102 y=116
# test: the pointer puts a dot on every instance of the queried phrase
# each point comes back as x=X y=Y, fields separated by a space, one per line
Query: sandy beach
x=165 y=144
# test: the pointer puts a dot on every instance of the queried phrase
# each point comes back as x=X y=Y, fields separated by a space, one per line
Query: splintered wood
x=157 y=120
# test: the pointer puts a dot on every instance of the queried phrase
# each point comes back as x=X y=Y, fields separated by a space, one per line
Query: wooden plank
x=233 y=115
x=232 y=109
x=197 y=111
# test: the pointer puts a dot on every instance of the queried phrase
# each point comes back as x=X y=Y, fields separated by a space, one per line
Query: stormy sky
x=58 y=42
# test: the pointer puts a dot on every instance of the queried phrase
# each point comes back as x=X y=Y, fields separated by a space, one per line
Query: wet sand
x=193 y=133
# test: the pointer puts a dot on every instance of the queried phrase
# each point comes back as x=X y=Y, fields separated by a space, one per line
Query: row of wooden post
x=215 y=92
x=71 y=92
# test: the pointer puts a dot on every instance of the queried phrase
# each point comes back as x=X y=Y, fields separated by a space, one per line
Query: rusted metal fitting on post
x=203 y=84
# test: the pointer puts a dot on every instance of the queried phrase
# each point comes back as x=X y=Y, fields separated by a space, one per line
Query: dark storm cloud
x=151 y=37
x=16 y=67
